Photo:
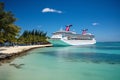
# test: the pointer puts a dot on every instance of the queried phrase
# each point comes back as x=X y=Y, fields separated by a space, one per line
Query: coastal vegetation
x=10 y=33
x=32 y=37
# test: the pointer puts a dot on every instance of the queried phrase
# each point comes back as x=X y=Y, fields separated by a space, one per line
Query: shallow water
x=94 y=62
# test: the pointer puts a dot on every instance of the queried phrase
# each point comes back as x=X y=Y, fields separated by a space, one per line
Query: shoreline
x=9 y=53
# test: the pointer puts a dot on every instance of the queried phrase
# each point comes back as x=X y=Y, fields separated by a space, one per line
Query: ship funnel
x=68 y=28
x=84 y=31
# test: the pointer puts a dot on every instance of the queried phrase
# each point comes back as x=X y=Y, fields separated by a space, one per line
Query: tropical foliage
x=32 y=37
x=8 y=30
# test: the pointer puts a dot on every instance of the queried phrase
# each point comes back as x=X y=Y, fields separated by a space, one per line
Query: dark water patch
x=18 y=66
x=107 y=47
x=86 y=57
x=96 y=57
x=108 y=44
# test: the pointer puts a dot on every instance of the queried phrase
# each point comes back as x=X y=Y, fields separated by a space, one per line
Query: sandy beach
x=18 y=49
x=7 y=53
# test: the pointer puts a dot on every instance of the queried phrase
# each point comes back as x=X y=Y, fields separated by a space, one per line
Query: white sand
x=17 y=49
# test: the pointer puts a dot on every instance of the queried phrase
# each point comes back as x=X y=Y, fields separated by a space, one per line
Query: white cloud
x=51 y=10
x=95 y=24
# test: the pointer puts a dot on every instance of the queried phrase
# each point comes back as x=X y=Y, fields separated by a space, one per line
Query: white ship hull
x=62 y=42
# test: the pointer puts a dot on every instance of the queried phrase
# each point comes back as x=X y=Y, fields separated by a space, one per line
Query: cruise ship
x=67 y=38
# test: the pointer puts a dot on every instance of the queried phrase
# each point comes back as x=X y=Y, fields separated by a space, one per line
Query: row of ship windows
x=79 y=38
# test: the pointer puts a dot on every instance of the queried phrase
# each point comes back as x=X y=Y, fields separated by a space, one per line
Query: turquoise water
x=94 y=62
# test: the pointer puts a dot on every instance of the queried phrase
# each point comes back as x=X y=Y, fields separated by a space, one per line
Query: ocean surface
x=93 y=62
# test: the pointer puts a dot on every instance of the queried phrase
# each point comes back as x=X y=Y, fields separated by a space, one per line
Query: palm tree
x=33 y=37
x=7 y=26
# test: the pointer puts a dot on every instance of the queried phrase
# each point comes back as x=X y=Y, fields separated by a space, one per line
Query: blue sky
x=100 y=17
